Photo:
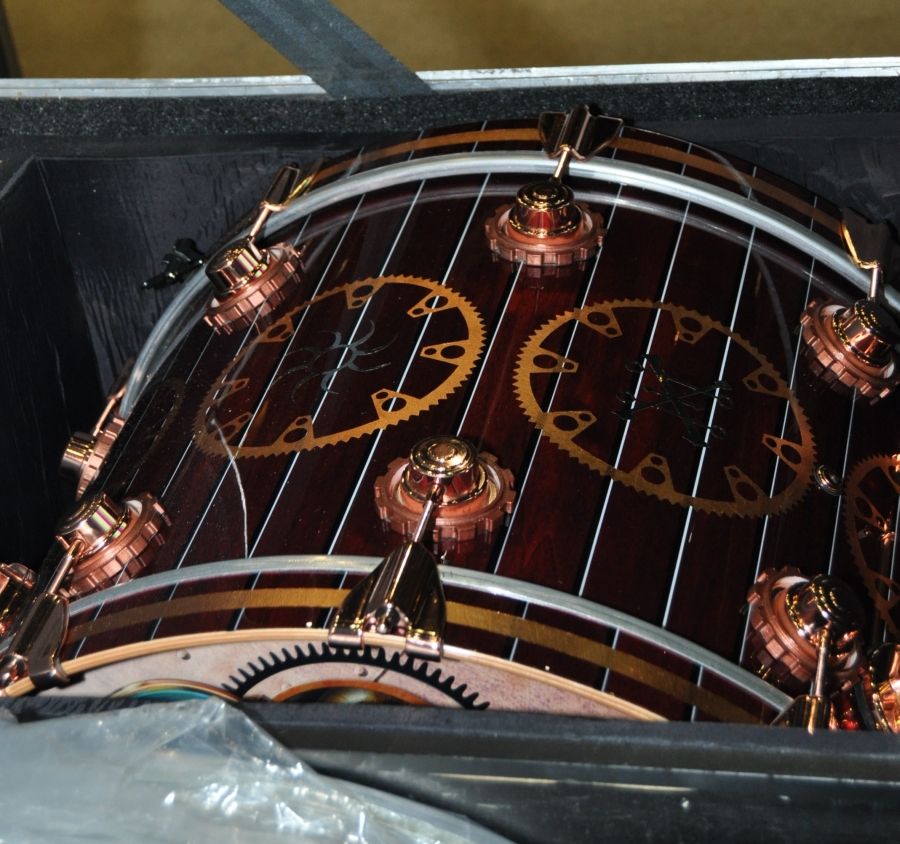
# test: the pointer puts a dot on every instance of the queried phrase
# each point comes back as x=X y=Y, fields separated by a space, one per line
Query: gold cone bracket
x=402 y=597
x=38 y=633
x=580 y=133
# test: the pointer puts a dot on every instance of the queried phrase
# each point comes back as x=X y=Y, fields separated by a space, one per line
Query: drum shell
x=574 y=530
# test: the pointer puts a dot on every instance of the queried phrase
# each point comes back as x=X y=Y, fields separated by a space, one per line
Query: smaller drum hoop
x=186 y=308
x=505 y=587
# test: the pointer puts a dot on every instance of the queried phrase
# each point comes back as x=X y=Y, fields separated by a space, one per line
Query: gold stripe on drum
x=727 y=172
x=490 y=621
x=626 y=144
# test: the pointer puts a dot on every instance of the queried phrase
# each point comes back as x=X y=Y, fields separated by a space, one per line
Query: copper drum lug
x=84 y=454
x=545 y=226
x=119 y=541
x=787 y=614
x=477 y=497
x=878 y=694
x=249 y=282
x=852 y=348
x=16 y=583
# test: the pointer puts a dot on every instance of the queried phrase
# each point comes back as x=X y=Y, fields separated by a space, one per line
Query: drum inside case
x=92 y=196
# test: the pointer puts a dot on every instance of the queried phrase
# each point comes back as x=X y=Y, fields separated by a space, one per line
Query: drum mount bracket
x=38 y=636
x=403 y=596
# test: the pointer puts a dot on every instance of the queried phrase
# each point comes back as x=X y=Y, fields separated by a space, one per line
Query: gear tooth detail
x=856 y=520
x=370 y=657
x=746 y=502
x=212 y=441
x=235 y=684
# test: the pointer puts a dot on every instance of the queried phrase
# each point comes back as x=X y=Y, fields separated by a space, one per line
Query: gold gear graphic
x=865 y=522
x=390 y=407
x=651 y=475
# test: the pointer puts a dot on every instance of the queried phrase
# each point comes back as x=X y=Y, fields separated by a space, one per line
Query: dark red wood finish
x=572 y=528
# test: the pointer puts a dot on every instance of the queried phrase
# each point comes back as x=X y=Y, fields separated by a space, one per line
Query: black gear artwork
x=368 y=657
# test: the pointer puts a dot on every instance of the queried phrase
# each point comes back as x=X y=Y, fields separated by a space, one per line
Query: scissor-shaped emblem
x=675 y=398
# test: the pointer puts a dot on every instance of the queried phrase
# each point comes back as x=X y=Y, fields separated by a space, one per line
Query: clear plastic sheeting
x=194 y=772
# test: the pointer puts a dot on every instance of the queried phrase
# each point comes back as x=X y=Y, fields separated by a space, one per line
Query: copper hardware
x=790 y=615
x=878 y=694
x=852 y=348
x=16 y=583
x=478 y=494
x=809 y=712
x=542 y=249
x=39 y=632
x=403 y=596
x=546 y=226
x=869 y=515
x=118 y=541
x=85 y=454
x=249 y=279
x=828 y=480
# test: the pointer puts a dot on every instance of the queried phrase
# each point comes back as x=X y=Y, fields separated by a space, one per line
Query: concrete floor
x=159 y=38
